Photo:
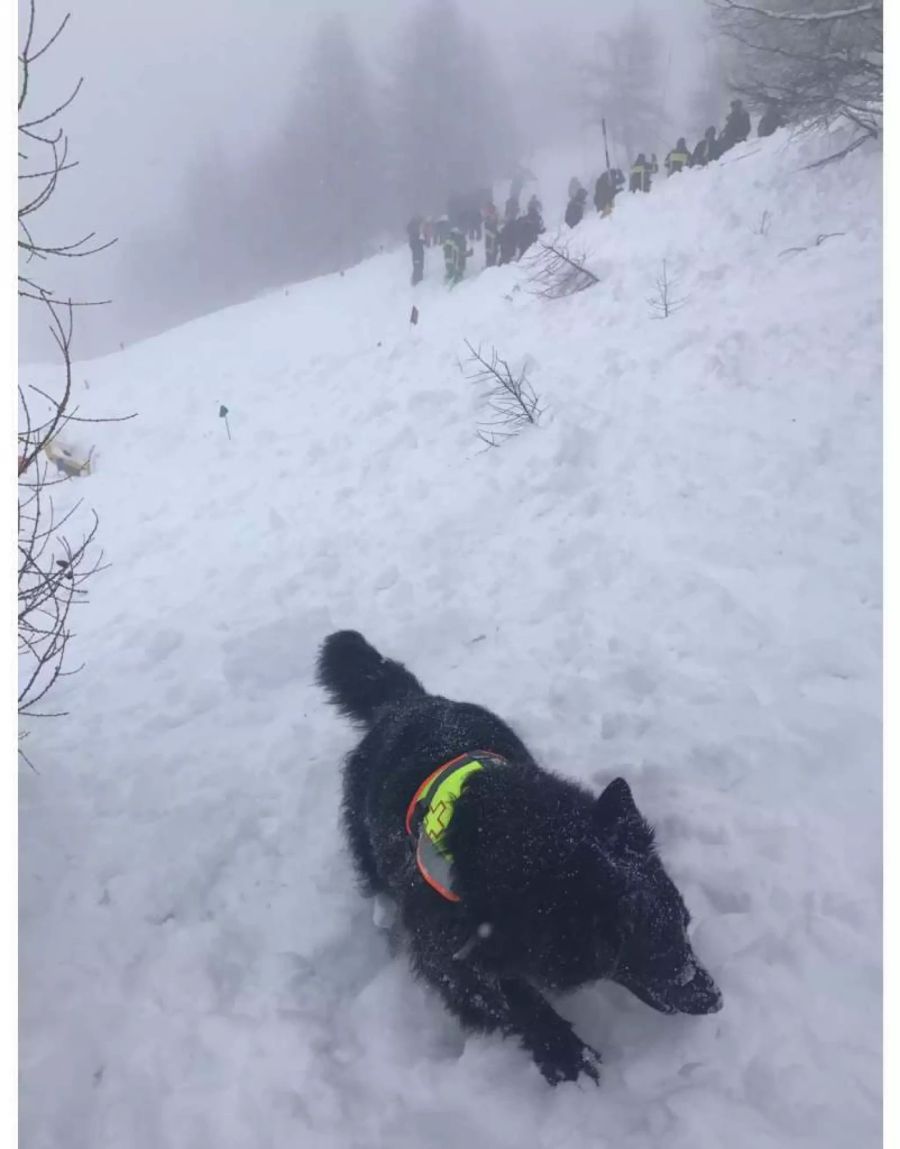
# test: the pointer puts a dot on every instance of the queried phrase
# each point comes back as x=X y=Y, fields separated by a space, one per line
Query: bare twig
x=820 y=239
x=47 y=166
x=510 y=398
x=665 y=302
x=556 y=272
x=52 y=574
x=803 y=17
x=832 y=159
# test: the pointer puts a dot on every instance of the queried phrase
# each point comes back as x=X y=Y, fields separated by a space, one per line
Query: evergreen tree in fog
x=451 y=129
x=341 y=155
x=624 y=83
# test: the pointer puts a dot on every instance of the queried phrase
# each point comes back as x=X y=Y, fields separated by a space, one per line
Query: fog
x=190 y=154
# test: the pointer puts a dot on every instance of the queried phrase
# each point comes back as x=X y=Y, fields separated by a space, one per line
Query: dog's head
x=605 y=909
x=654 y=958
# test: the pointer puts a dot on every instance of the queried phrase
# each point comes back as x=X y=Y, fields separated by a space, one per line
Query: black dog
x=507 y=877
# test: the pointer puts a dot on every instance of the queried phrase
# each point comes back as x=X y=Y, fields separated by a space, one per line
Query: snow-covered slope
x=676 y=576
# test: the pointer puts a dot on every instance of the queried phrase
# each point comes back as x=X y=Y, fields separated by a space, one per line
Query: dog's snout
x=699 y=994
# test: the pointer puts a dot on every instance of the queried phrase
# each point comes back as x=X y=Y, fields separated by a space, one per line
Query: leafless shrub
x=666 y=301
x=52 y=569
x=556 y=272
x=510 y=398
x=821 y=60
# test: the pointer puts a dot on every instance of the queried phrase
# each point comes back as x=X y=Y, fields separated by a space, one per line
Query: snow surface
x=676 y=576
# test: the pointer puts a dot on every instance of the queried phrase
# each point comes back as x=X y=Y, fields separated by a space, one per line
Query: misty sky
x=166 y=79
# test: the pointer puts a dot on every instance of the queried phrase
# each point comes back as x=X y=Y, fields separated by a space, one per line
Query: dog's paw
x=590 y=1063
x=563 y=1056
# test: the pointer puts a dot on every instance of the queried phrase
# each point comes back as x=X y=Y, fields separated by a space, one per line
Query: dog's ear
x=614 y=805
x=617 y=819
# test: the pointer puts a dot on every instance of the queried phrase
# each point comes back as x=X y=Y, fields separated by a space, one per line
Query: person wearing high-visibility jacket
x=455 y=253
x=642 y=172
x=678 y=158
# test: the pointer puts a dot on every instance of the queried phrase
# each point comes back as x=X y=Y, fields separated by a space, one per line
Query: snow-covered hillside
x=676 y=577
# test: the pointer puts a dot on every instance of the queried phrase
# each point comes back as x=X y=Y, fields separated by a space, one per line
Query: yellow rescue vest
x=430 y=813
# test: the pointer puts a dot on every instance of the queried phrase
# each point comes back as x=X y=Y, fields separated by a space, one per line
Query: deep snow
x=676 y=576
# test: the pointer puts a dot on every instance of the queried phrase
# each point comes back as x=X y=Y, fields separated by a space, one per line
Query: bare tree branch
x=822 y=65
x=817 y=242
x=510 y=398
x=48 y=170
x=556 y=272
x=26 y=127
x=54 y=567
x=32 y=56
x=851 y=147
x=25 y=56
x=803 y=17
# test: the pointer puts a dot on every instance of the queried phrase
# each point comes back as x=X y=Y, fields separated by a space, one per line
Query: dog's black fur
x=557 y=887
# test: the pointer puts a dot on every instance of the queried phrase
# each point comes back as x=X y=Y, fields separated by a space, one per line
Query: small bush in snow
x=666 y=301
x=510 y=398
x=557 y=272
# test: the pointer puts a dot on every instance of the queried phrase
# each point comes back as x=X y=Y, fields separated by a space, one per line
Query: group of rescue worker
x=711 y=147
x=504 y=240
x=507 y=239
